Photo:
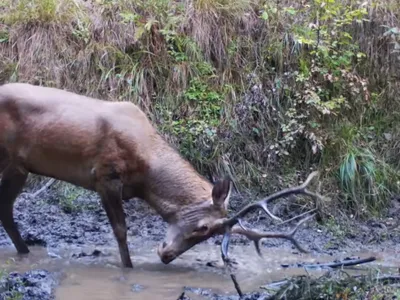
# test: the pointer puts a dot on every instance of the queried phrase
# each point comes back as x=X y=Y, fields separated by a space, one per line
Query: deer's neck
x=174 y=185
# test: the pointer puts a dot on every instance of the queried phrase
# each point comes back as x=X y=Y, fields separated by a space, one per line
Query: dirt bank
x=87 y=235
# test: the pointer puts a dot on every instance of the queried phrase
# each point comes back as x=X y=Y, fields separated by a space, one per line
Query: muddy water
x=101 y=278
x=69 y=236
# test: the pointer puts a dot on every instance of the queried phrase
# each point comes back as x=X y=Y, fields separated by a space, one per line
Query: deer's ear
x=221 y=193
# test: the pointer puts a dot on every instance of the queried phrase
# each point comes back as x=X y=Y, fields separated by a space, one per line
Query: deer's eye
x=201 y=229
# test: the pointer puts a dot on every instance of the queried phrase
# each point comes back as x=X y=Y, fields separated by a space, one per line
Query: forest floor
x=74 y=253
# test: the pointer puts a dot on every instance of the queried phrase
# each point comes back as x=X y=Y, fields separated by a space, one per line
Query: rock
x=137 y=288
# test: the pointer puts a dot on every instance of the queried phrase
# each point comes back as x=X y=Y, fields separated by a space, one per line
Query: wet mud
x=33 y=285
x=74 y=254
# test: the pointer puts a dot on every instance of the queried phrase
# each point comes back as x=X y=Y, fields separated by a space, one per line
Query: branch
x=41 y=190
x=345 y=263
x=46 y=186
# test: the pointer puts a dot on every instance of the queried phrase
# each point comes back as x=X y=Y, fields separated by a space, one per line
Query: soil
x=85 y=231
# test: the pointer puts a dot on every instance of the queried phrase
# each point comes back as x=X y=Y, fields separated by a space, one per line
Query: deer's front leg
x=111 y=198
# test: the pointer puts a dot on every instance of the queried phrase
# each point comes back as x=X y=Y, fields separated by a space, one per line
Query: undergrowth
x=70 y=198
x=340 y=285
x=9 y=293
x=253 y=89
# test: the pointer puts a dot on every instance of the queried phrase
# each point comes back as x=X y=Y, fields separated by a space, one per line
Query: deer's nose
x=165 y=254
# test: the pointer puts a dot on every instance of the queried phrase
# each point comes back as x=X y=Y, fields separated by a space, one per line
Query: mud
x=32 y=285
x=74 y=254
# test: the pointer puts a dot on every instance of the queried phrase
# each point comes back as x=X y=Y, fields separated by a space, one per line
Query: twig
x=47 y=185
x=227 y=262
x=236 y=284
x=331 y=265
x=42 y=189
x=347 y=263
x=393 y=278
x=275 y=284
x=182 y=296
x=298 y=216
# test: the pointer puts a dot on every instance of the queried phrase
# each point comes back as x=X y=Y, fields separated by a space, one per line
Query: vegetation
x=69 y=198
x=340 y=285
x=8 y=292
x=261 y=90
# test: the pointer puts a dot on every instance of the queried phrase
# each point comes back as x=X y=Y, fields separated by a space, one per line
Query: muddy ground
x=81 y=226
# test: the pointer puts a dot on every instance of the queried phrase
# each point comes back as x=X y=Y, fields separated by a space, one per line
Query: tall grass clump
x=261 y=90
x=366 y=180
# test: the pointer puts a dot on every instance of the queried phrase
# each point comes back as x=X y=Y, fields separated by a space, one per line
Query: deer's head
x=200 y=222
x=196 y=223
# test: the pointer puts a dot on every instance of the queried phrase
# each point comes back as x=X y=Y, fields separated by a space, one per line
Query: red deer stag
x=113 y=149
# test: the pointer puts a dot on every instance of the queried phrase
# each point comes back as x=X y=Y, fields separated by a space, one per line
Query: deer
x=113 y=149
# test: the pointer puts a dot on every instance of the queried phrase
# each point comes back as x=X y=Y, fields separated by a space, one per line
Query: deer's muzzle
x=166 y=254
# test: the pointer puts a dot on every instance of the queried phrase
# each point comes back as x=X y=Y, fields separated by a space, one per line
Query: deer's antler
x=234 y=224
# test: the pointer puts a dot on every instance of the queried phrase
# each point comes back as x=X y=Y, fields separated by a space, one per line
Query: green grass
x=365 y=177
x=366 y=180
x=40 y=12
x=15 y=295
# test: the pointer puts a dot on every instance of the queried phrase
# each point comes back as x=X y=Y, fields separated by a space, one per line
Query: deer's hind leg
x=3 y=160
x=11 y=184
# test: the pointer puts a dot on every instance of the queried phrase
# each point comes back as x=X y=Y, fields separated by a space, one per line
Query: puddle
x=101 y=278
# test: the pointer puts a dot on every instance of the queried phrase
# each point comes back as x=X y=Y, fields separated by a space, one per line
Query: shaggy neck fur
x=174 y=185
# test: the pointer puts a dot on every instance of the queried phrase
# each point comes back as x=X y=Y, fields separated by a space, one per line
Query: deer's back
x=50 y=129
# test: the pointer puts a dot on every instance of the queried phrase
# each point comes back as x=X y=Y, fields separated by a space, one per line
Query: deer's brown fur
x=107 y=147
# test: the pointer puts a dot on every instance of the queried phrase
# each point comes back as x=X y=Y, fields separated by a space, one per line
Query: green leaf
x=290 y=10
x=360 y=55
x=393 y=30
x=138 y=32
x=128 y=17
x=264 y=16
x=256 y=130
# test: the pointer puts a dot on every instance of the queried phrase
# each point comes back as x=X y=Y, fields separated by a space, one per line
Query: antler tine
x=230 y=225
x=263 y=205
x=256 y=242
x=256 y=236
x=301 y=189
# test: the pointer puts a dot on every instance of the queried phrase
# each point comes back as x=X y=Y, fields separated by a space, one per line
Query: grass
x=67 y=196
x=363 y=173
x=12 y=294
x=40 y=12
x=365 y=180
x=337 y=229
x=250 y=88
x=339 y=285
